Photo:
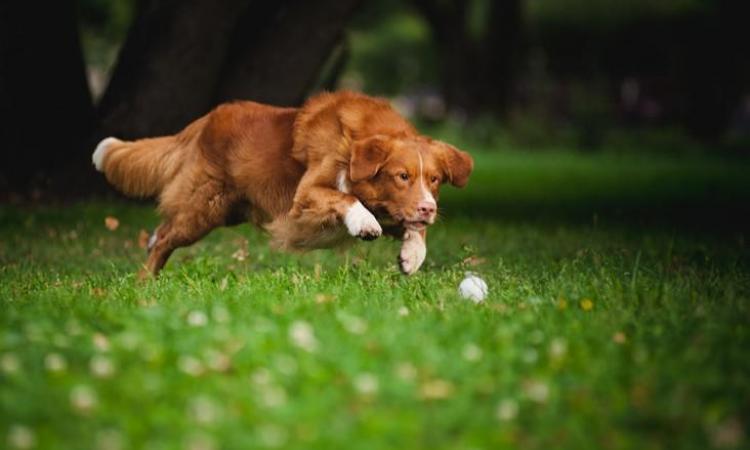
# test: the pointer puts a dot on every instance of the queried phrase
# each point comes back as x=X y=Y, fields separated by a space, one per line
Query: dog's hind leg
x=208 y=208
x=180 y=231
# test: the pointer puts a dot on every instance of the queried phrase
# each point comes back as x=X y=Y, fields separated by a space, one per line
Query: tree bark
x=276 y=57
x=478 y=71
x=168 y=66
x=183 y=57
x=46 y=111
x=719 y=71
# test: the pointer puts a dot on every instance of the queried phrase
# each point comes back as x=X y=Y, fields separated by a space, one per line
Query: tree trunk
x=478 y=70
x=276 y=57
x=168 y=66
x=45 y=105
x=183 y=57
x=718 y=76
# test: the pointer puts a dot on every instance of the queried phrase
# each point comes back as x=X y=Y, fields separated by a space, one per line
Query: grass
x=617 y=318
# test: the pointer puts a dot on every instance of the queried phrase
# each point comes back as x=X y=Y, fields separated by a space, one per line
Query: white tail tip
x=101 y=150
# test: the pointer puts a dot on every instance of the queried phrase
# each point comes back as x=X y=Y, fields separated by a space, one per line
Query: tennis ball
x=473 y=288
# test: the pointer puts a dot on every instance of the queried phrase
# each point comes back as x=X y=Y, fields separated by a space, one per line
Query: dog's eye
x=404 y=176
x=434 y=179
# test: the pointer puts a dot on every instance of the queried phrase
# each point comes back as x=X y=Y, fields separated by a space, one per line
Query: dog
x=343 y=166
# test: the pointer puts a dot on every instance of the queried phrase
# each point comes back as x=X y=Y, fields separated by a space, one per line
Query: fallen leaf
x=474 y=261
x=323 y=298
x=436 y=390
x=240 y=255
x=111 y=223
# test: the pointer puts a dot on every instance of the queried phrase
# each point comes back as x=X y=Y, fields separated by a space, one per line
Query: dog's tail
x=144 y=167
x=139 y=168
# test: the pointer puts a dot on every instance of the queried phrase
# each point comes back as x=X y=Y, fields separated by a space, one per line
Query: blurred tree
x=45 y=104
x=479 y=43
x=168 y=66
x=717 y=70
x=681 y=62
x=277 y=54
x=182 y=57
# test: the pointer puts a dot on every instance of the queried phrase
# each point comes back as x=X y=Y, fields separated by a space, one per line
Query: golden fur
x=298 y=173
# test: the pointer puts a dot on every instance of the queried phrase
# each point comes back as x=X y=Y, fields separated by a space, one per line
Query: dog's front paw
x=361 y=223
x=413 y=253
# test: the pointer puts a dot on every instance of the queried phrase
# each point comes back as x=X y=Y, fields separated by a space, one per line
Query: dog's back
x=246 y=146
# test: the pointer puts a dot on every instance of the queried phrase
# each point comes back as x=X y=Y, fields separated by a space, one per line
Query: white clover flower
x=261 y=377
x=403 y=311
x=83 y=398
x=352 y=324
x=73 y=328
x=302 y=335
x=273 y=396
x=102 y=366
x=55 y=363
x=129 y=340
x=558 y=348
x=200 y=441
x=272 y=435
x=507 y=410
x=109 y=439
x=204 y=410
x=101 y=342
x=60 y=340
x=366 y=384
x=529 y=356
x=218 y=361
x=197 y=318
x=221 y=314
x=285 y=364
x=21 y=437
x=536 y=337
x=472 y=352
x=406 y=371
x=537 y=391
x=9 y=363
x=190 y=365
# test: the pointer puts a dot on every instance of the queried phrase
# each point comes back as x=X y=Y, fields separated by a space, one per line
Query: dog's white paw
x=361 y=223
x=413 y=253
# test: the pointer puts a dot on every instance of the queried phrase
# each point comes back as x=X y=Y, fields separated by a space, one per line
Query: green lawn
x=618 y=317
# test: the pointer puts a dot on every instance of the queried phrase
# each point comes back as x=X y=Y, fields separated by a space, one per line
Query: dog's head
x=399 y=178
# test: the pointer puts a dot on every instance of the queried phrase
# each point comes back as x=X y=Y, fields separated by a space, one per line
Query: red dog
x=311 y=176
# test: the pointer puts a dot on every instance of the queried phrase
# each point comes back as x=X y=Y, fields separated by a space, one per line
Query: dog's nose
x=426 y=209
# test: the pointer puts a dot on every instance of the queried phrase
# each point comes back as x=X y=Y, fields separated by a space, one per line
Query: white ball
x=473 y=288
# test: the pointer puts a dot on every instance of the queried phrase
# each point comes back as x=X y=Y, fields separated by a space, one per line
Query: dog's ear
x=367 y=157
x=456 y=164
